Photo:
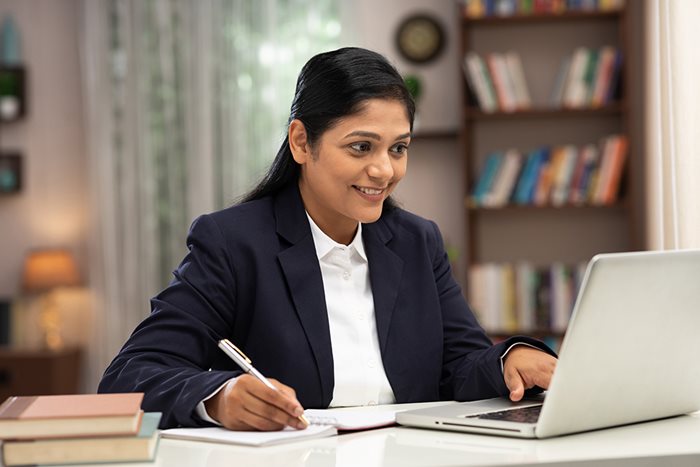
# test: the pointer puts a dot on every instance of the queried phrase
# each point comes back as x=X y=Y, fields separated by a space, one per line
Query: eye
x=399 y=148
x=361 y=147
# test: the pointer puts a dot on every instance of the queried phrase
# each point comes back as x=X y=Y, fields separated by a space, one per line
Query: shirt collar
x=324 y=244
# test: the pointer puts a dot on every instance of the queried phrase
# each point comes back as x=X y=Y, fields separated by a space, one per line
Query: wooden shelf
x=473 y=113
x=568 y=208
x=542 y=18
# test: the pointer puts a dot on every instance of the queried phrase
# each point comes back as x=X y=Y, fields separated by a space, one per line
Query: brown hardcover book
x=141 y=447
x=37 y=417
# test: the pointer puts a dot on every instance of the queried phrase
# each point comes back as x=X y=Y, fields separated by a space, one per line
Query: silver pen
x=246 y=365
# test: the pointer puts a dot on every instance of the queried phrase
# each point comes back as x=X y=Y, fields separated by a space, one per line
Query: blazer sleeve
x=170 y=354
x=471 y=367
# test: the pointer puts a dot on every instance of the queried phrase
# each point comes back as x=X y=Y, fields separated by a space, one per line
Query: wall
x=51 y=209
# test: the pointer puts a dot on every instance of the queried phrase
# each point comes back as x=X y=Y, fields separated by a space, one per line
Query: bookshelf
x=553 y=239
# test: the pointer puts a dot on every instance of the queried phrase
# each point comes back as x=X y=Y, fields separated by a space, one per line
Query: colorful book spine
x=488 y=174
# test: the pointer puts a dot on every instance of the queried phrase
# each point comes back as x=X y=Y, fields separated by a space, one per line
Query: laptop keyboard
x=521 y=415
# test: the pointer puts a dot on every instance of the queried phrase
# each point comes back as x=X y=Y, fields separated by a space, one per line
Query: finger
x=515 y=385
x=277 y=398
x=542 y=378
x=259 y=422
x=237 y=424
x=287 y=390
x=269 y=412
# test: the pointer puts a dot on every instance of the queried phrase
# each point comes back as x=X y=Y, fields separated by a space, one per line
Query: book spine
x=575 y=93
x=503 y=185
x=619 y=154
x=517 y=74
x=557 y=98
x=603 y=79
x=486 y=180
x=14 y=406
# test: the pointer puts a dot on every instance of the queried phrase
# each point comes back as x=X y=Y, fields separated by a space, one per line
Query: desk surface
x=641 y=445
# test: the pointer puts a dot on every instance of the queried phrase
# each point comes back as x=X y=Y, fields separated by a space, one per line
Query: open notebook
x=323 y=423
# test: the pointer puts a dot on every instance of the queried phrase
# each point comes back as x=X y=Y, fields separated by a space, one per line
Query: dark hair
x=333 y=85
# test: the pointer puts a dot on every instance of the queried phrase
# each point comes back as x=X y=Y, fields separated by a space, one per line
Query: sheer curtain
x=673 y=116
x=187 y=103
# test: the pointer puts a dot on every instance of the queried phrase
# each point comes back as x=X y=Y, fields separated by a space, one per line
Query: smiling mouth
x=369 y=191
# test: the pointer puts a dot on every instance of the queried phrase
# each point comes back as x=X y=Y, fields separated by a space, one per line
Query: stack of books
x=77 y=428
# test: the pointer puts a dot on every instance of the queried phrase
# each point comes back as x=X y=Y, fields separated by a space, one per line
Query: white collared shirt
x=358 y=371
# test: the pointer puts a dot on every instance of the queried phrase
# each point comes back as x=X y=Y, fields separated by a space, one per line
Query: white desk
x=405 y=447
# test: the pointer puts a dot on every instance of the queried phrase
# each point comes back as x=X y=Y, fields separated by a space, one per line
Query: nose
x=381 y=168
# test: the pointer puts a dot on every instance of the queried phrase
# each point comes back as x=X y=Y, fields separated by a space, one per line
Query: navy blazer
x=252 y=275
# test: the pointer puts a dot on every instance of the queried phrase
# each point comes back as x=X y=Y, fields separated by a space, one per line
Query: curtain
x=187 y=103
x=673 y=115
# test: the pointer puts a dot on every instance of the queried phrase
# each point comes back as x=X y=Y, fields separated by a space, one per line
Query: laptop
x=631 y=353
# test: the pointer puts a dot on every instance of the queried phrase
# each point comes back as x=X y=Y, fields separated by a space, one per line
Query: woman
x=331 y=289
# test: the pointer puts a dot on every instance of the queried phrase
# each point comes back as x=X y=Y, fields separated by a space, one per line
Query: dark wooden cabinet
x=35 y=372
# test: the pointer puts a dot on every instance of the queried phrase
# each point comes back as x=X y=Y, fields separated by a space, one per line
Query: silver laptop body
x=631 y=353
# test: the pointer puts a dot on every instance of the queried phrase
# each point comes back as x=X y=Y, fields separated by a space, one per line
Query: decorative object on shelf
x=10 y=54
x=10 y=172
x=414 y=85
x=420 y=38
x=12 y=76
x=45 y=270
x=415 y=88
x=12 y=95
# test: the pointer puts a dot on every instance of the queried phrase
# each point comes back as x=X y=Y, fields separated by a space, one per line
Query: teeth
x=369 y=191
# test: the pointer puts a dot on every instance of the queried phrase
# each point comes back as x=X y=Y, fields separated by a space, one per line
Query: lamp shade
x=46 y=269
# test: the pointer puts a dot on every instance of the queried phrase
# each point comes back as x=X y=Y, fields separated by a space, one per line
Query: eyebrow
x=375 y=136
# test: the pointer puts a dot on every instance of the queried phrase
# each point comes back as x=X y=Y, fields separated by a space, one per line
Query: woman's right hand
x=245 y=403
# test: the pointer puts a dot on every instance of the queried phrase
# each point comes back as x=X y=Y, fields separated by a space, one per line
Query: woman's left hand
x=525 y=367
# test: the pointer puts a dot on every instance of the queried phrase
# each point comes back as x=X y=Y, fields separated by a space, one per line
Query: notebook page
x=249 y=438
x=351 y=419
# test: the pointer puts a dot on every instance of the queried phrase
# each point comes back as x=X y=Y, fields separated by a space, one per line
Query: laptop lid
x=630 y=352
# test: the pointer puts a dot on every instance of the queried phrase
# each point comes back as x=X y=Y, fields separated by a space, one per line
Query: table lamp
x=44 y=271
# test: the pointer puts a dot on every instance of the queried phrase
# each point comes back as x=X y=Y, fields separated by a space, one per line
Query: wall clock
x=420 y=38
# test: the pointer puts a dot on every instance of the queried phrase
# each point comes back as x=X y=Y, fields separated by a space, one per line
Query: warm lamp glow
x=44 y=270
x=47 y=269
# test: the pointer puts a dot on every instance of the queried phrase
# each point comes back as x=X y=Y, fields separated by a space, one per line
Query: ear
x=298 y=142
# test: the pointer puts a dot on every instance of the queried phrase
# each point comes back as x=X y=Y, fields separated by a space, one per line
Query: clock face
x=420 y=38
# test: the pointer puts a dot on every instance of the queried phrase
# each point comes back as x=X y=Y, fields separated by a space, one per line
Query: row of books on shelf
x=77 y=429
x=522 y=298
x=486 y=8
x=588 y=78
x=497 y=81
x=553 y=176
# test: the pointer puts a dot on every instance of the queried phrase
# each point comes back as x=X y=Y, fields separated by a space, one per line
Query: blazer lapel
x=385 y=270
x=303 y=276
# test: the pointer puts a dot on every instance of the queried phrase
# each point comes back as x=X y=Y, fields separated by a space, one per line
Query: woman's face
x=354 y=167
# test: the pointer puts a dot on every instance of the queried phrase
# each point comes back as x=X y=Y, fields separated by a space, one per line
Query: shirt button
x=346 y=275
x=360 y=316
x=372 y=403
x=371 y=363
